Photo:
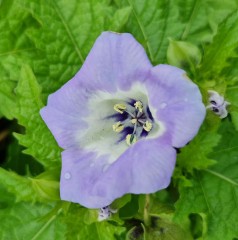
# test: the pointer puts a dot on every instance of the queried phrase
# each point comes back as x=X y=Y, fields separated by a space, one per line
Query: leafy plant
x=43 y=44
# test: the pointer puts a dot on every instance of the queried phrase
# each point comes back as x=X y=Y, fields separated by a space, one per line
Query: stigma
x=136 y=121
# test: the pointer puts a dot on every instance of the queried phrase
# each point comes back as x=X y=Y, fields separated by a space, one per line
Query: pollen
x=139 y=106
x=130 y=139
x=117 y=127
x=147 y=126
x=120 y=107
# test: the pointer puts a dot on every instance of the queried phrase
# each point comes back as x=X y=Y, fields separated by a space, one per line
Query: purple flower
x=119 y=121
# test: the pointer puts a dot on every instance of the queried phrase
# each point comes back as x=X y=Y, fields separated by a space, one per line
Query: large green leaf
x=200 y=18
x=36 y=222
x=53 y=37
x=215 y=191
x=67 y=33
x=153 y=22
x=15 y=48
x=38 y=139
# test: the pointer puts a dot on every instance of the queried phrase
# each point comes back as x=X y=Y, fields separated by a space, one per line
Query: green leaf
x=38 y=139
x=163 y=229
x=153 y=22
x=120 y=202
x=120 y=18
x=130 y=209
x=200 y=18
x=67 y=33
x=232 y=97
x=52 y=37
x=234 y=115
x=15 y=48
x=196 y=154
x=43 y=188
x=223 y=47
x=36 y=222
x=214 y=191
x=81 y=230
x=7 y=199
x=183 y=54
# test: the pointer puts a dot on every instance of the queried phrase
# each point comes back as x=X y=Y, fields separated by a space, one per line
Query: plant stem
x=147 y=219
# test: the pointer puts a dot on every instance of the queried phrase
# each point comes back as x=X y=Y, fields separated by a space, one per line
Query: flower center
x=135 y=120
x=116 y=121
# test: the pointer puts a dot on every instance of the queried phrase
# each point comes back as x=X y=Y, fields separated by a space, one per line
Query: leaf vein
x=204 y=195
x=222 y=177
x=188 y=25
x=69 y=31
x=142 y=30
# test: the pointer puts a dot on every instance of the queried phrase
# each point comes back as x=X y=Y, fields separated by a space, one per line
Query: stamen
x=147 y=126
x=136 y=117
x=139 y=106
x=117 y=127
x=120 y=107
x=130 y=139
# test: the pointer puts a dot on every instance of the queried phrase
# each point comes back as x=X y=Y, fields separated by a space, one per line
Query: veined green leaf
x=67 y=33
x=195 y=154
x=223 y=47
x=15 y=48
x=200 y=18
x=37 y=139
x=36 y=222
x=120 y=18
x=153 y=22
x=214 y=191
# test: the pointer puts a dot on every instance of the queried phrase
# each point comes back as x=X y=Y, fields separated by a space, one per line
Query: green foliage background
x=43 y=44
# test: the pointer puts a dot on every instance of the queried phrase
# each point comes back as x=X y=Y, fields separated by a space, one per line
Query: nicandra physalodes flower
x=119 y=121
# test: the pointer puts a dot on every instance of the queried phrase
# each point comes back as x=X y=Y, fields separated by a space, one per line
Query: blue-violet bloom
x=119 y=120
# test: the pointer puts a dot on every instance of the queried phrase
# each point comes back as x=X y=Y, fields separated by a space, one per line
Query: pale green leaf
x=183 y=54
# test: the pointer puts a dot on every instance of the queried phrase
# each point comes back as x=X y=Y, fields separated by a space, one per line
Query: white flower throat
x=137 y=121
x=117 y=120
